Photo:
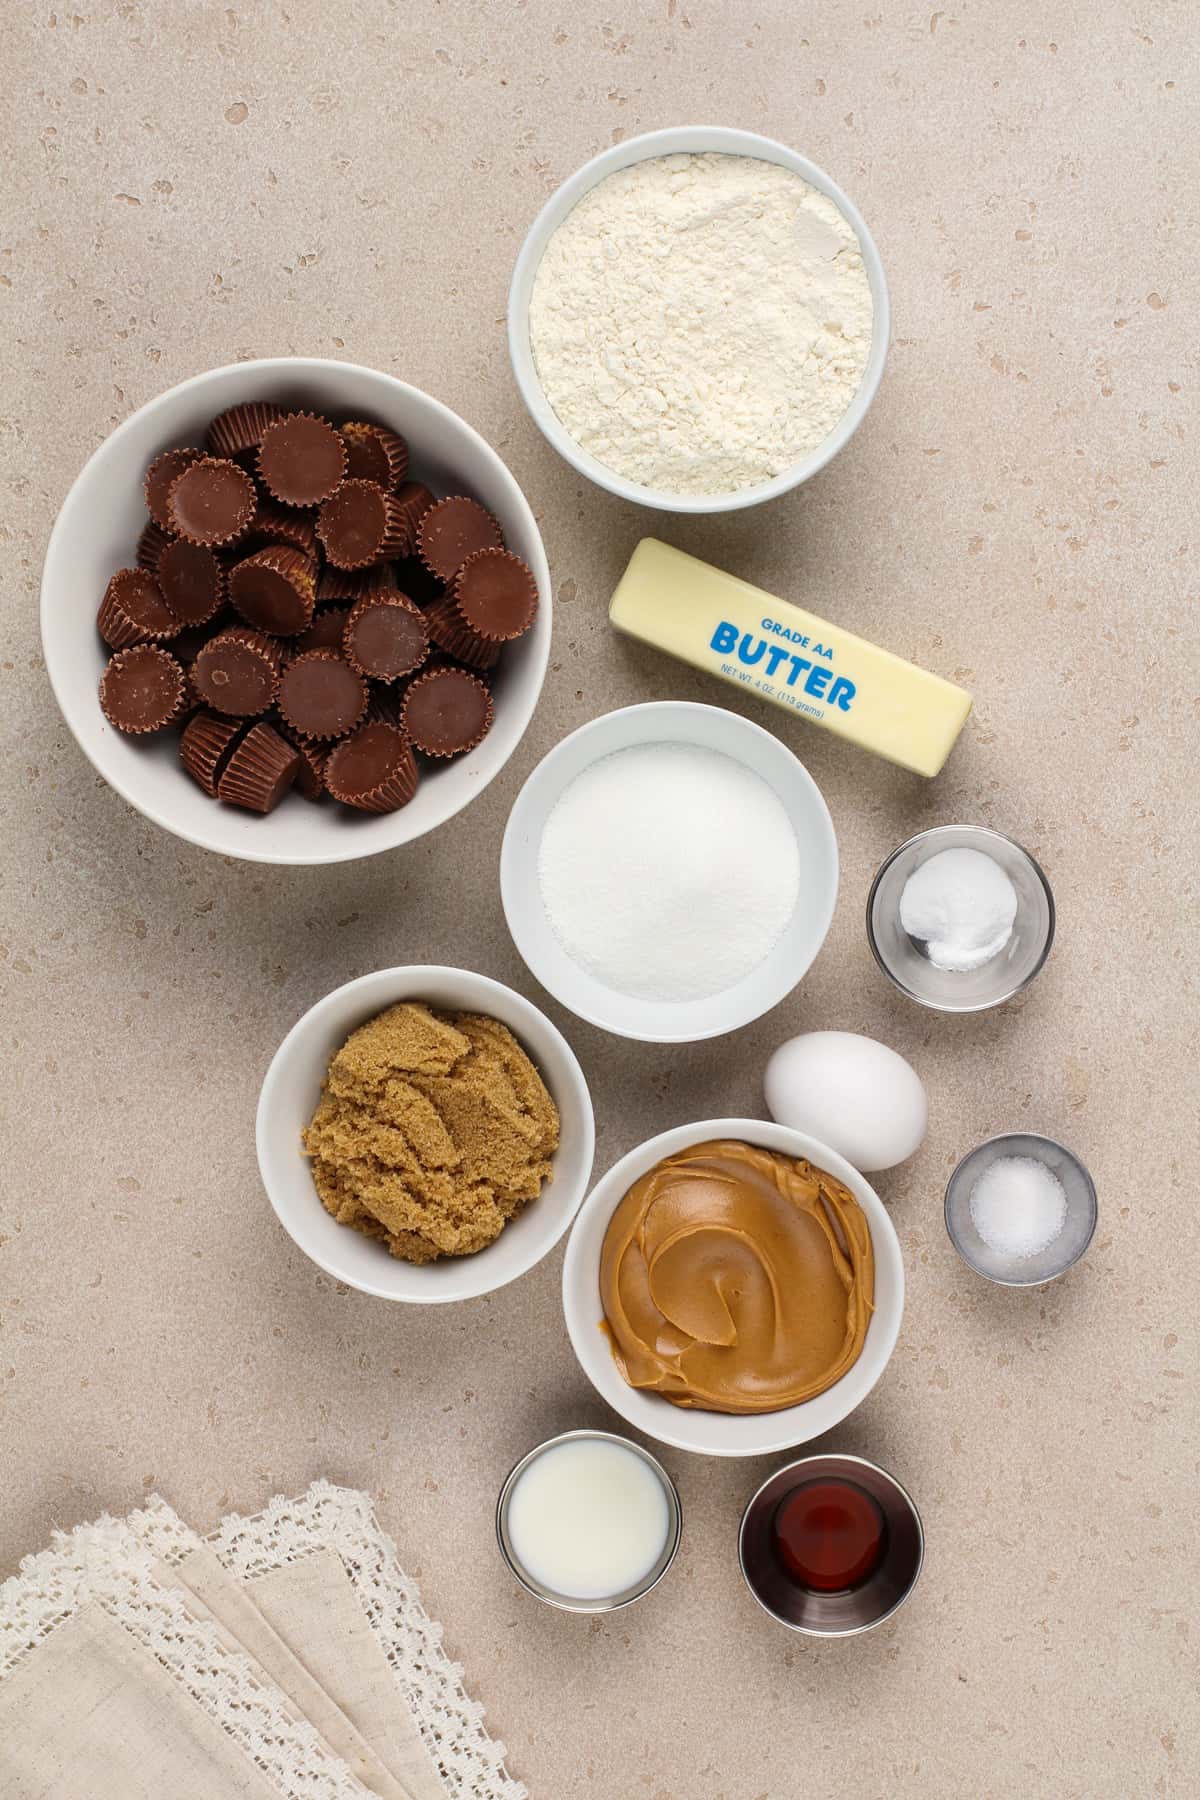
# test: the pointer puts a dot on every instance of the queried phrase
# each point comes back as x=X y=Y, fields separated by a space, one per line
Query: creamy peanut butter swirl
x=736 y=1279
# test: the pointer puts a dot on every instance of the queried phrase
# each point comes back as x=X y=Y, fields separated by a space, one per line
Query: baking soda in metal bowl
x=669 y=871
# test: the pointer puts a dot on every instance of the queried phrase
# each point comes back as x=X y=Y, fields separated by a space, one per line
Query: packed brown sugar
x=432 y=1132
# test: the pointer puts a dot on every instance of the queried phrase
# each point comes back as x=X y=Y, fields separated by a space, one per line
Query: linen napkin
x=287 y=1654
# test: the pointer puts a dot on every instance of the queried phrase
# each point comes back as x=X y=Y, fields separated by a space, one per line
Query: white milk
x=588 y=1519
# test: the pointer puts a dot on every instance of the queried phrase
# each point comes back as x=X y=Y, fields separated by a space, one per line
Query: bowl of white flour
x=698 y=319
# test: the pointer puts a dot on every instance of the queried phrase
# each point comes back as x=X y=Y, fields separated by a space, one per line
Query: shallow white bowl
x=692 y=139
x=293 y=1087
x=97 y=532
x=710 y=1433
x=665 y=1021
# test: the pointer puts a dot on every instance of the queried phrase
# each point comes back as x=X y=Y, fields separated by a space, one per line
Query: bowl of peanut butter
x=733 y=1287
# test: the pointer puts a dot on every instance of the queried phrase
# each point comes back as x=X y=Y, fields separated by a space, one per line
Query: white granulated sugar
x=699 y=323
x=668 y=871
x=1018 y=1206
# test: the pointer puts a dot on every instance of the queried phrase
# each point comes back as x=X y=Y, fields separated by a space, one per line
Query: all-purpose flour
x=699 y=323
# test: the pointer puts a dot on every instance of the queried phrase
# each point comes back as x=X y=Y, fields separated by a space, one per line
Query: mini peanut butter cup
x=321 y=696
x=414 y=500
x=275 y=524
x=361 y=525
x=274 y=589
x=374 y=769
x=446 y=710
x=310 y=777
x=385 y=636
x=452 y=530
x=349 y=584
x=260 y=771
x=207 y=743
x=301 y=459
x=326 y=632
x=160 y=478
x=211 y=502
x=134 y=611
x=238 y=432
x=237 y=672
x=142 y=689
x=375 y=454
x=448 y=631
x=192 y=581
x=496 y=595
x=151 y=544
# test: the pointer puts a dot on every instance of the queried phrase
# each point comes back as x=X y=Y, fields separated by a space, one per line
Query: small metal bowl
x=1078 y=1228
x=904 y=960
x=606 y=1602
x=856 y=1609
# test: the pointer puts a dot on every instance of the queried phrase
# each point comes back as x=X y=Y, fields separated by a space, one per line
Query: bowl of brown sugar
x=425 y=1134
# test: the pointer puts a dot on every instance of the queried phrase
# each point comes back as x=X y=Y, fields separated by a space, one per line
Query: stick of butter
x=770 y=648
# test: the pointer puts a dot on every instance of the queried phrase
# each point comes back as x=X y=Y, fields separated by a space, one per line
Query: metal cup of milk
x=588 y=1521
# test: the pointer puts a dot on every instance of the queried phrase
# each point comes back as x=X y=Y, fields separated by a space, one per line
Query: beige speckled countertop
x=190 y=184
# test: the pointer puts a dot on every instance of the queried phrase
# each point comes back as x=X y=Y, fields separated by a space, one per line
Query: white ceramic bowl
x=693 y=139
x=710 y=1433
x=293 y=1087
x=97 y=531
x=665 y=1021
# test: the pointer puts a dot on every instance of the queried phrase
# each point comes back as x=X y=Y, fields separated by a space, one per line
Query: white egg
x=853 y=1093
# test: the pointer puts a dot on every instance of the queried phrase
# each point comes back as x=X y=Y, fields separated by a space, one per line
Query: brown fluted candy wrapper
x=274 y=589
x=211 y=502
x=361 y=525
x=321 y=696
x=142 y=689
x=133 y=610
x=449 y=633
x=208 y=740
x=238 y=432
x=260 y=771
x=160 y=478
x=386 y=636
x=375 y=454
x=237 y=672
x=310 y=776
x=452 y=530
x=350 y=584
x=275 y=524
x=301 y=459
x=192 y=580
x=374 y=770
x=446 y=711
x=151 y=544
x=326 y=632
x=414 y=500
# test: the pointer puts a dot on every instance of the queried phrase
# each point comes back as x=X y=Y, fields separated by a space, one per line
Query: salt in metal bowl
x=1079 y=1225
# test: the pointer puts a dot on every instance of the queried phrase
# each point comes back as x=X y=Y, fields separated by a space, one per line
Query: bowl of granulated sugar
x=698 y=319
x=669 y=872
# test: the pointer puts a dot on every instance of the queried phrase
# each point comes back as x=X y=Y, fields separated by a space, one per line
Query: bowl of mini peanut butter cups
x=296 y=611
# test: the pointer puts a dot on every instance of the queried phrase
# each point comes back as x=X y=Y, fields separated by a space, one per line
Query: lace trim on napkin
x=106 y=1564
x=470 y=1763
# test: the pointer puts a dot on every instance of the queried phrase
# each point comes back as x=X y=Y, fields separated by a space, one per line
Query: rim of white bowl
x=542 y=775
x=670 y=141
x=292 y=367
x=611 y=1189
x=402 y=976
